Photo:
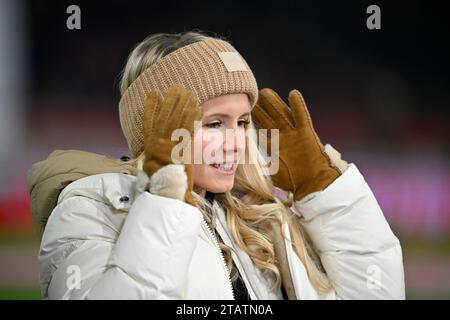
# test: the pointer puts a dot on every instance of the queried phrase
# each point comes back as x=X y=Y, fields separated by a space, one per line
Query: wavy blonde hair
x=251 y=205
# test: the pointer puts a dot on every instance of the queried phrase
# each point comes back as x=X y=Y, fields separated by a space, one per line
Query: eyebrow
x=224 y=115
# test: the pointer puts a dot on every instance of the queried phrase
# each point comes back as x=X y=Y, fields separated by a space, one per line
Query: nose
x=234 y=144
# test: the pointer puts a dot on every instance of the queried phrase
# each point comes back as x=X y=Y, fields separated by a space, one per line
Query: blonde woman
x=154 y=227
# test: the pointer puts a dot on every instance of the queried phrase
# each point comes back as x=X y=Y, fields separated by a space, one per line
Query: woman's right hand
x=178 y=110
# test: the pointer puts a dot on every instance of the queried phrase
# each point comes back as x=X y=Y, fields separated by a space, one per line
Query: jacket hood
x=47 y=178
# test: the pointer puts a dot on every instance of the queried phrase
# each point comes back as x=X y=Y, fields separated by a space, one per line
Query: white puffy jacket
x=104 y=240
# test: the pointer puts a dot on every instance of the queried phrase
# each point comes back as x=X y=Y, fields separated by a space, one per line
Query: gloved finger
x=184 y=113
x=152 y=106
x=300 y=112
x=194 y=114
x=184 y=107
x=262 y=118
x=271 y=102
x=172 y=97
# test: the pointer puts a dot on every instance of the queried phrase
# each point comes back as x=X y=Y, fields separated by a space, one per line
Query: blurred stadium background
x=380 y=97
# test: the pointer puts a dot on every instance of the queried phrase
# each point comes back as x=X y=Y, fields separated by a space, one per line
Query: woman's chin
x=213 y=180
x=220 y=187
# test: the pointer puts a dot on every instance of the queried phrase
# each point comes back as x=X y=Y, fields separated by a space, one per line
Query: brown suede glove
x=178 y=110
x=304 y=165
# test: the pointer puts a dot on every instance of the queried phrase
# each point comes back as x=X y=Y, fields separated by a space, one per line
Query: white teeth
x=224 y=166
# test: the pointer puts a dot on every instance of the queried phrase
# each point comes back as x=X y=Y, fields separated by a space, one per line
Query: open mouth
x=227 y=167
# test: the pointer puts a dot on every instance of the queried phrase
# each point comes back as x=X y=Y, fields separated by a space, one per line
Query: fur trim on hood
x=47 y=178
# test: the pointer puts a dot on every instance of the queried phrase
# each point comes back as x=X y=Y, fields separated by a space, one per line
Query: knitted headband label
x=232 y=61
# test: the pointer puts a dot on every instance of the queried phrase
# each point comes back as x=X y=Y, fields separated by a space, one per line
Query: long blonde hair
x=251 y=205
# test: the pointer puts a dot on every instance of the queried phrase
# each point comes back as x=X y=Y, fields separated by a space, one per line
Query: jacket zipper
x=222 y=258
x=238 y=263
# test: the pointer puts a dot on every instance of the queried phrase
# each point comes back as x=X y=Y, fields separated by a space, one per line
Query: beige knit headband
x=209 y=68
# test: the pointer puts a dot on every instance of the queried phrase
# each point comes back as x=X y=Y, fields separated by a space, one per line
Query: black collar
x=209 y=196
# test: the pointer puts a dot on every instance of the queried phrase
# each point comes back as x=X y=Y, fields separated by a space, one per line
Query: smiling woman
x=237 y=188
x=312 y=230
x=224 y=113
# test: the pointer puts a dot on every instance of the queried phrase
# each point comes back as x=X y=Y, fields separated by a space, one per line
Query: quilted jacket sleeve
x=361 y=255
x=91 y=252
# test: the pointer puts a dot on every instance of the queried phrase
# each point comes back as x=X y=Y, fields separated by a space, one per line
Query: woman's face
x=220 y=142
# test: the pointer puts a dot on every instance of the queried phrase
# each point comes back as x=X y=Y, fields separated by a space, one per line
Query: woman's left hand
x=304 y=166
